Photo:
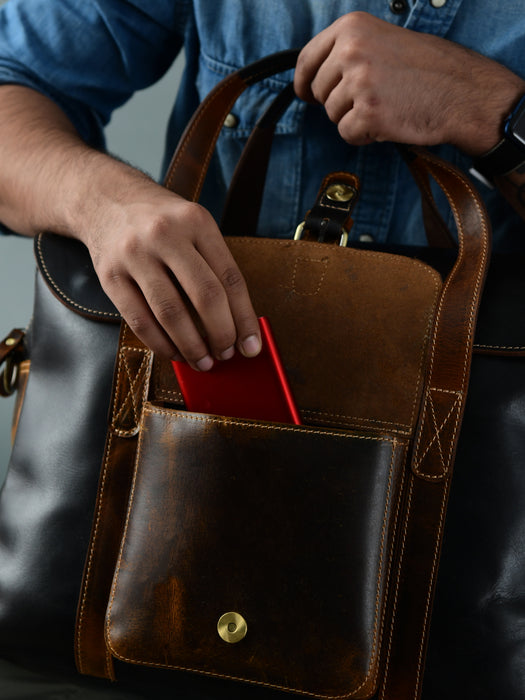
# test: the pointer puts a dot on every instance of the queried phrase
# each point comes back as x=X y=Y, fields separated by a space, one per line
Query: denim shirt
x=90 y=56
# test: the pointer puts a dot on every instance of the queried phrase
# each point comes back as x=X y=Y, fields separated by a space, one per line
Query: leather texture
x=419 y=515
x=399 y=389
x=46 y=504
x=314 y=602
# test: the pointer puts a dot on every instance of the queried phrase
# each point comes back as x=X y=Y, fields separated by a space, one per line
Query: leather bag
x=293 y=558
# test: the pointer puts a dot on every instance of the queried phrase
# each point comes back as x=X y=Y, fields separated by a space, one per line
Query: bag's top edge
x=65 y=265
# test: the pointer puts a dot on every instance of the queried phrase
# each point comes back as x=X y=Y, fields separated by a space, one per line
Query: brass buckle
x=343 y=241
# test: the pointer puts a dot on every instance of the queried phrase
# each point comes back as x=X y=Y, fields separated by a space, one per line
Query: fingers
x=177 y=285
x=311 y=58
x=223 y=265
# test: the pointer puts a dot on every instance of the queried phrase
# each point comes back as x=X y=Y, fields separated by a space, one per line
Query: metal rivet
x=398 y=7
x=231 y=121
x=232 y=627
x=438 y=3
x=339 y=192
x=366 y=238
x=10 y=341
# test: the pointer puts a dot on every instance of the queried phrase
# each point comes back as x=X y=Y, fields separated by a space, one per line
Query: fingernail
x=228 y=353
x=204 y=364
x=250 y=346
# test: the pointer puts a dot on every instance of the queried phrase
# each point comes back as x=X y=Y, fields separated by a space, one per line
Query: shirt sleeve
x=89 y=56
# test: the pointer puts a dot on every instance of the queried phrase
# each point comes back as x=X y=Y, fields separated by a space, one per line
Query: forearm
x=146 y=242
x=50 y=179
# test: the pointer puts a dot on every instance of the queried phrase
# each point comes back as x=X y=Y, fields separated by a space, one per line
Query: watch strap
x=504 y=158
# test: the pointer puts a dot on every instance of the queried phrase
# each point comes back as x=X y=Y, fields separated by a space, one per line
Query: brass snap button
x=232 y=627
x=339 y=192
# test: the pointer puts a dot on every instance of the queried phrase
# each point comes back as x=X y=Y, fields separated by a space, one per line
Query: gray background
x=136 y=133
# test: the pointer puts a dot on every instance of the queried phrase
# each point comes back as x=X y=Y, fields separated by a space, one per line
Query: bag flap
x=65 y=265
x=352 y=327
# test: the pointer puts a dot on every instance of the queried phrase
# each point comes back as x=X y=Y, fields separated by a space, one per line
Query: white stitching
x=62 y=294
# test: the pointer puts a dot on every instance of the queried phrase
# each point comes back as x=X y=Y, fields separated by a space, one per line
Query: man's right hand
x=157 y=255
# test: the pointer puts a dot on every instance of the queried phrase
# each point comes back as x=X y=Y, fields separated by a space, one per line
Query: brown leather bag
x=295 y=558
x=324 y=539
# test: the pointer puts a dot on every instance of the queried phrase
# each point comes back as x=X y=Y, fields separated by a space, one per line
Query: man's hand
x=161 y=259
x=157 y=256
x=380 y=82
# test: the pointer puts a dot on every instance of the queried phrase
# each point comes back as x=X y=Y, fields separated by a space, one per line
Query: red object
x=242 y=387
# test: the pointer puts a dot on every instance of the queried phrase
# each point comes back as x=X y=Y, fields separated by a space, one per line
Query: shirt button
x=366 y=238
x=399 y=6
x=438 y=3
x=231 y=121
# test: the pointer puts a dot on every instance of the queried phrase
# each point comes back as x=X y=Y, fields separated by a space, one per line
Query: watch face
x=515 y=126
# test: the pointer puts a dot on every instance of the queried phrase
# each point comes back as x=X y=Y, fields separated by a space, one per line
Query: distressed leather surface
x=431 y=467
x=352 y=328
x=422 y=505
x=206 y=535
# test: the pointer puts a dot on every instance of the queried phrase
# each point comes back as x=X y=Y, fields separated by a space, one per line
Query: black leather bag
x=477 y=642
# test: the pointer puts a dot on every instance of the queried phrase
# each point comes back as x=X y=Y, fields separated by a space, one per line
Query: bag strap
x=437 y=434
x=244 y=197
x=429 y=478
x=191 y=159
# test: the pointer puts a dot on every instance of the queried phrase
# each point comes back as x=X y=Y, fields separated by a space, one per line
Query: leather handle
x=244 y=197
x=191 y=159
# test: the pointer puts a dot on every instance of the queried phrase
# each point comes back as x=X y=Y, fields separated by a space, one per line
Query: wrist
x=99 y=191
x=508 y=155
x=481 y=98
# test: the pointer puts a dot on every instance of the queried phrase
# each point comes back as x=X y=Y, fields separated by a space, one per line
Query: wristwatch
x=509 y=154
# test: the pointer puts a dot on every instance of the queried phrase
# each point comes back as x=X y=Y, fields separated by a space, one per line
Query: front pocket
x=289 y=527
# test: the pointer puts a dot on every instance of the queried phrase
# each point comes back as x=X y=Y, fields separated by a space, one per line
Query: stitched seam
x=152 y=409
x=470 y=331
x=381 y=566
x=424 y=347
x=206 y=161
x=198 y=119
x=122 y=542
x=391 y=562
x=400 y=262
x=349 y=421
x=91 y=555
x=324 y=415
x=426 y=618
x=132 y=383
x=435 y=438
x=500 y=347
x=130 y=396
x=337 y=419
x=459 y=223
x=438 y=430
x=62 y=294
x=175 y=415
x=396 y=593
x=94 y=540
x=299 y=258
